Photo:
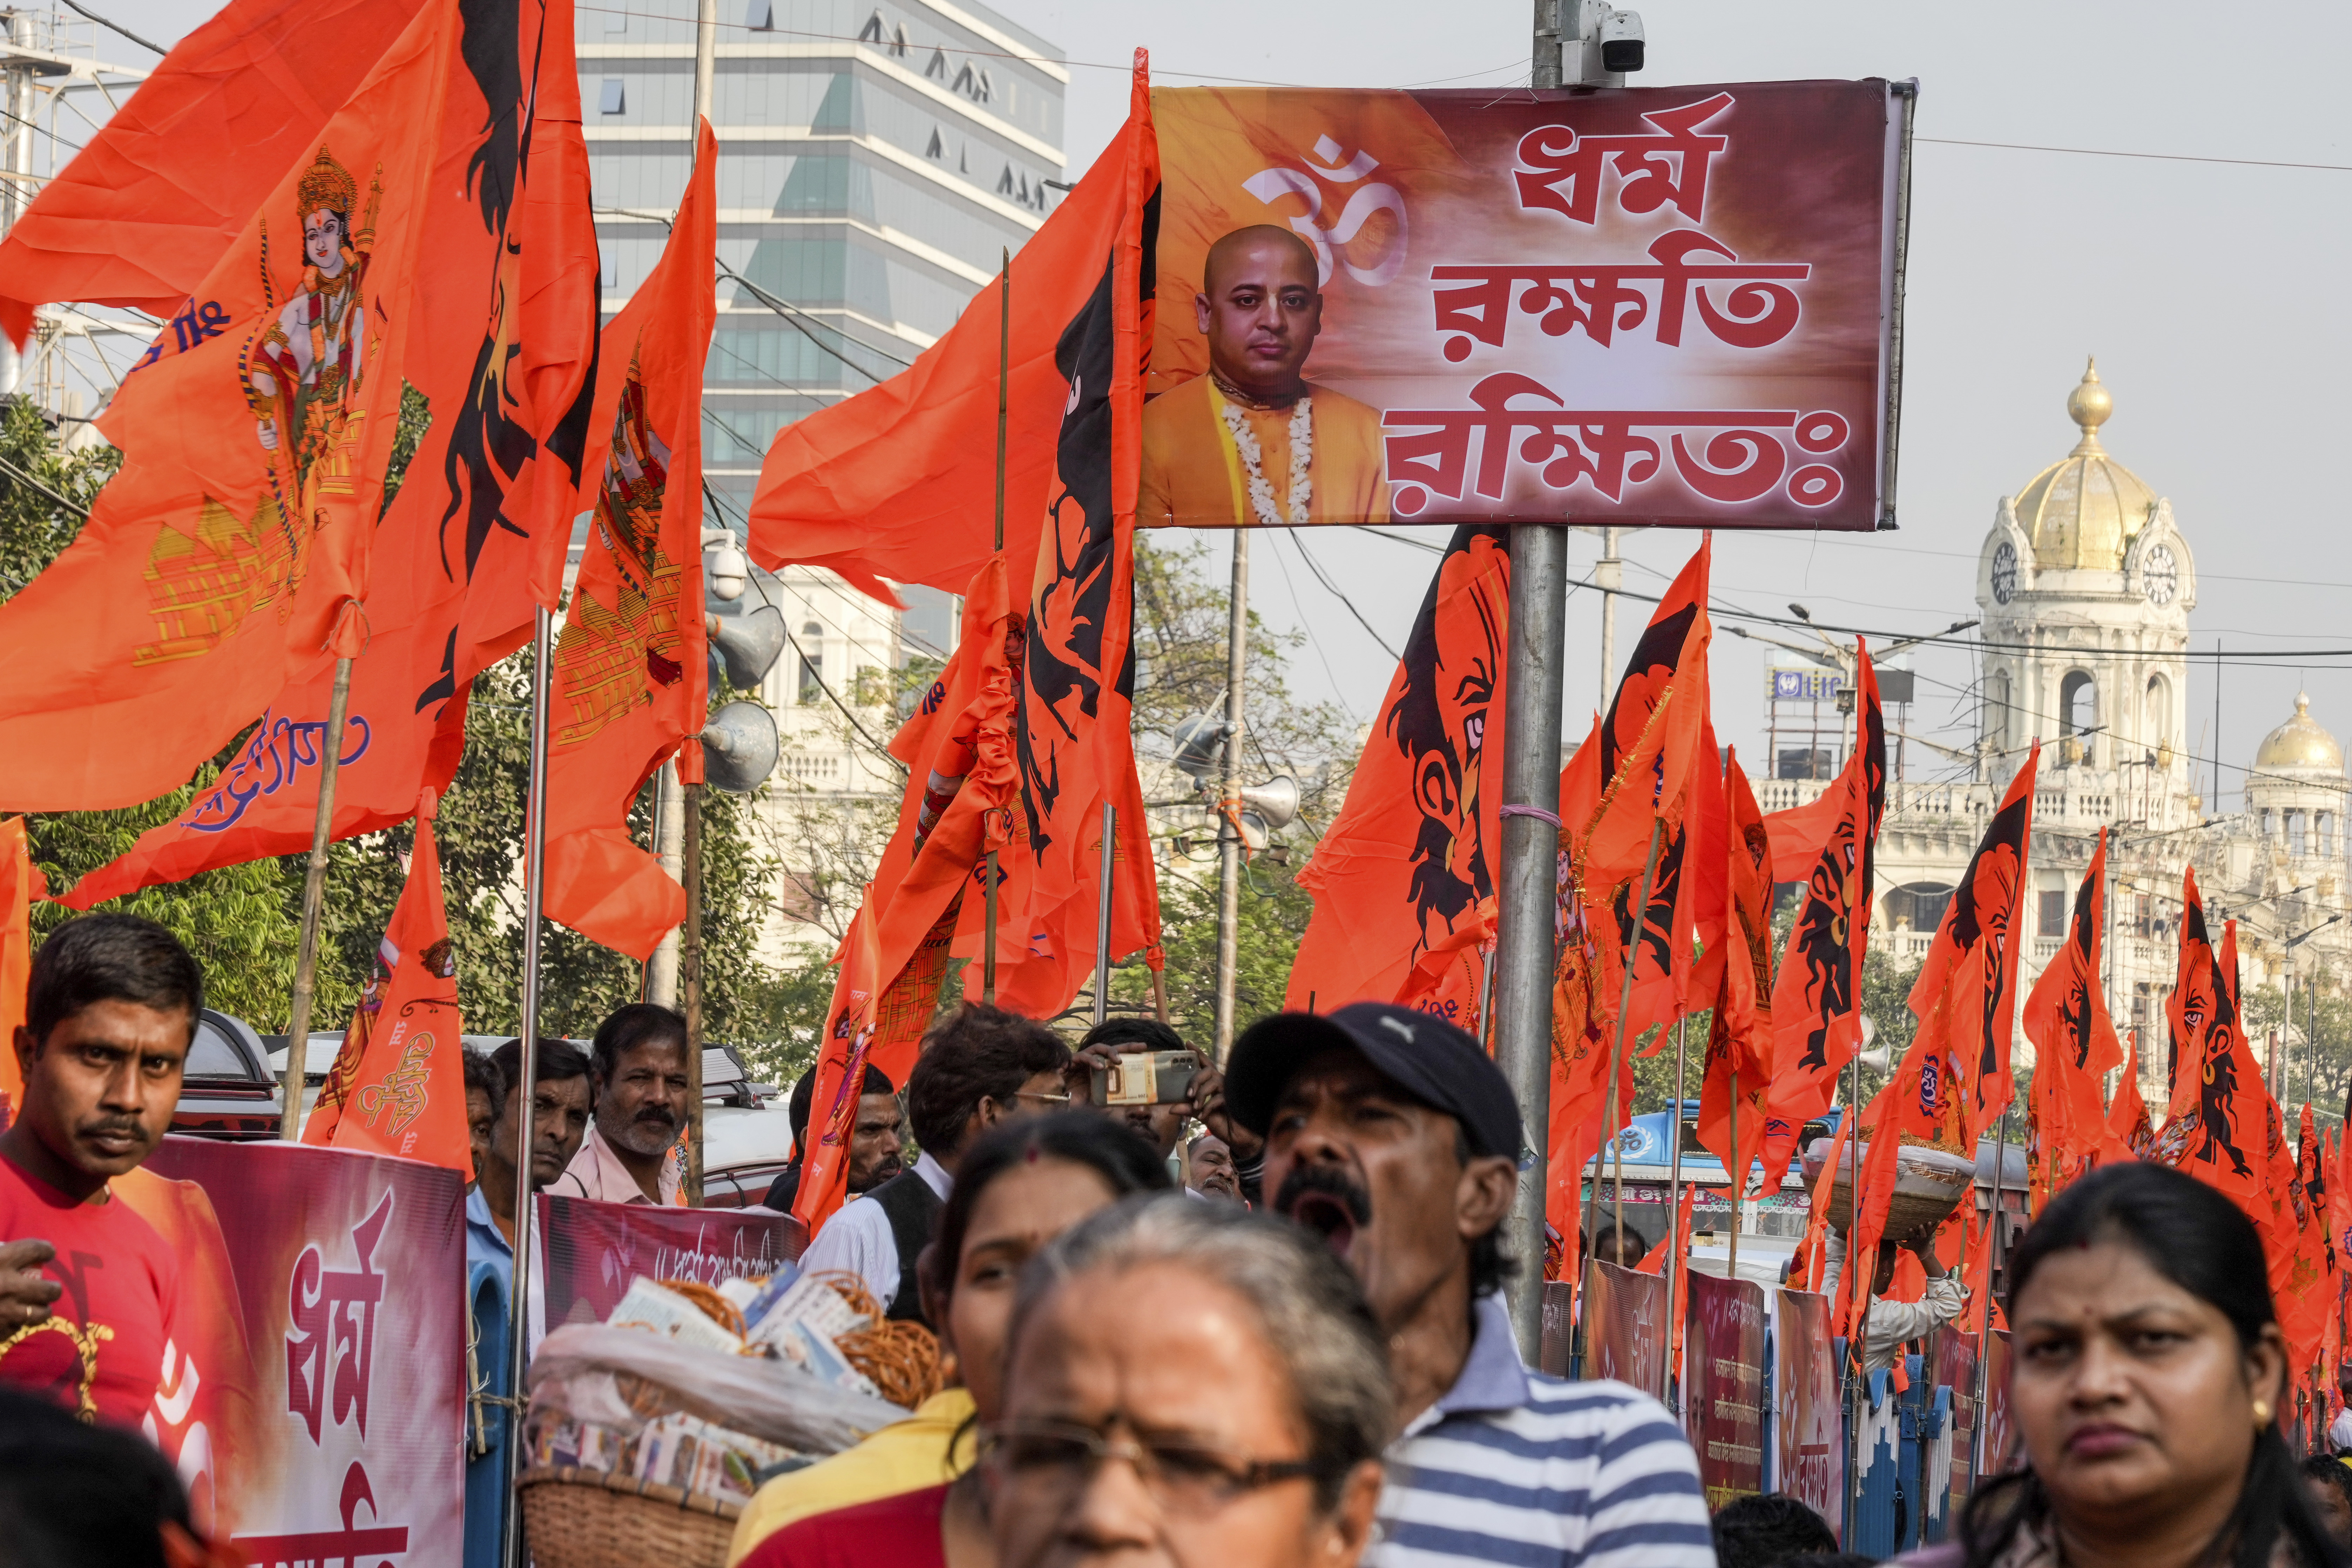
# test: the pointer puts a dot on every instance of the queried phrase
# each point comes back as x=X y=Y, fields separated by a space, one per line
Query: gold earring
x=2262 y=1413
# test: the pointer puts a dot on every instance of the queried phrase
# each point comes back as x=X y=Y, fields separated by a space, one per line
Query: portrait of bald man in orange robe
x=1260 y=307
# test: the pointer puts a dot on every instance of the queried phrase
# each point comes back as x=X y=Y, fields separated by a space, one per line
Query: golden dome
x=2300 y=743
x=2082 y=511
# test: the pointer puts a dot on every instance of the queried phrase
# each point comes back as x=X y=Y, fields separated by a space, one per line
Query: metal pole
x=534 y=848
x=314 y=889
x=1857 y=1342
x=1738 y=1171
x=1229 y=800
x=1521 y=968
x=706 y=52
x=1672 y=1269
x=1003 y=414
x=1616 y=1058
x=669 y=842
x=1608 y=575
x=1102 y=916
x=690 y=982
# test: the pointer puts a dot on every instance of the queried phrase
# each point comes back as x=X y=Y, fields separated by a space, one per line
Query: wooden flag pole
x=1739 y=1171
x=1616 y=1056
x=1003 y=414
x=689 y=987
x=314 y=890
x=1984 y=1318
x=1102 y=916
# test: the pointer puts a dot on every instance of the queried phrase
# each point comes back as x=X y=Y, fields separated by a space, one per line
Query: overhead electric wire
x=23 y=478
x=115 y=26
x=1323 y=577
x=792 y=313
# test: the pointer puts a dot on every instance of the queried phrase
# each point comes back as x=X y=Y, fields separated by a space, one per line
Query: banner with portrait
x=1625 y=1326
x=298 y=1265
x=1723 y=1385
x=589 y=1252
x=1808 y=1447
x=1665 y=306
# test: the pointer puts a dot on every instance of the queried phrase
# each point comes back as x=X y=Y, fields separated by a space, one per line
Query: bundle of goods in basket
x=659 y=1422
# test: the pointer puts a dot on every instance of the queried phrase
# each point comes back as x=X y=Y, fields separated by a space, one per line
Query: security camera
x=728 y=571
x=1621 y=41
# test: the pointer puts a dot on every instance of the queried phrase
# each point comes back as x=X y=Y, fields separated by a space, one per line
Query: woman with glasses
x=1190 y=1384
x=1019 y=1185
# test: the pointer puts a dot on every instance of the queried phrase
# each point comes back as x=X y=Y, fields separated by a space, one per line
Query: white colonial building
x=2084 y=587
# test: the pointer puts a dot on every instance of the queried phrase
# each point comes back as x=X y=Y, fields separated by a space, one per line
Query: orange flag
x=234 y=545
x=1918 y=1106
x=167 y=184
x=1971 y=967
x=1408 y=865
x=398 y=1085
x=509 y=313
x=2130 y=1134
x=2314 y=1277
x=632 y=668
x=2217 y=1136
x=1817 y=991
x=1075 y=730
x=2339 y=1199
x=2190 y=1007
x=962 y=789
x=20 y=885
x=899 y=481
x=2074 y=1045
x=1738 y=1079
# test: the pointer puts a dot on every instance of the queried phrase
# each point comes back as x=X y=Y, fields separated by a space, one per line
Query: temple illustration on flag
x=2085 y=585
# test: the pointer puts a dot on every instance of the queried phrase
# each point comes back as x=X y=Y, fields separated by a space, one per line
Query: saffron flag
x=2074 y=1045
x=2217 y=1135
x=20 y=886
x=234 y=545
x=1075 y=730
x=398 y=1084
x=2314 y=1280
x=1735 y=1087
x=2189 y=1010
x=508 y=314
x=1411 y=860
x=962 y=795
x=899 y=481
x=1971 y=967
x=632 y=667
x=2339 y=1200
x=1916 y=1107
x=2129 y=1133
x=1817 y=991
x=167 y=184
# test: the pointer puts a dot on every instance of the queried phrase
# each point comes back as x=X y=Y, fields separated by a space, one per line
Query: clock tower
x=2085 y=585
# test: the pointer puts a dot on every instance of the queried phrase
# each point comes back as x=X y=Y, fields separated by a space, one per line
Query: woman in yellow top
x=1020 y=1186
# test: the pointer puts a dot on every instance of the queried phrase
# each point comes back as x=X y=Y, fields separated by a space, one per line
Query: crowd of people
x=1282 y=1340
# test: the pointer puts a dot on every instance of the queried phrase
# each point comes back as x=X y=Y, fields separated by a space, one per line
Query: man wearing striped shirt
x=1391 y=1134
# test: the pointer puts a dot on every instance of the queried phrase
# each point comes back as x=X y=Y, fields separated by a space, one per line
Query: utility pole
x=1229 y=801
x=1608 y=575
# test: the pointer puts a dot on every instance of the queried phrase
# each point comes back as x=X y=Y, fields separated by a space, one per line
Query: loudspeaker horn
x=1275 y=802
x=740 y=747
x=748 y=646
x=1200 y=741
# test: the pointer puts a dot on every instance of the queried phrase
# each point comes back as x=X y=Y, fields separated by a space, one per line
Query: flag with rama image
x=1404 y=880
x=2074 y=1045
x=1736 y=1082
x=504 y=362
x=632 y=667
x=2218 y=1135
x=398 y=1083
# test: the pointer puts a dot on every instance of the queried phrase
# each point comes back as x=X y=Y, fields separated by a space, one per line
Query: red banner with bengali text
x=1645 y=305
x=1625 y=1326
x=1808 y=1447
x=317 y=1407
x=1723 y=1385
x=589 y=1252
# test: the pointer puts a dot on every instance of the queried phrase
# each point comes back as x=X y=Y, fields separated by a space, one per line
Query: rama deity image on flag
x=1655 y=306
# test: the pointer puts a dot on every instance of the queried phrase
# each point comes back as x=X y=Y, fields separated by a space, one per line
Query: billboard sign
x=1723 y=1385
x=1664 y=306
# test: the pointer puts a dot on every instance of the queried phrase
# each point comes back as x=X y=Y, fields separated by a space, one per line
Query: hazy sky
x=2213 y=295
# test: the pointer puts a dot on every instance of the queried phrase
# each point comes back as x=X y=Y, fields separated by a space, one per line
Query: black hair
x=2328 y=1470
x=558 y=1060
x=2200 y=1241
x=109 y=957
x=1762 y=1532
x=804 y=1101
x=1829 y=1559
x=483 y=1073
x=71 y=1494
x=1149 y=1033
x=976 y=1053
x=1125 y=1163
x=638 y=1024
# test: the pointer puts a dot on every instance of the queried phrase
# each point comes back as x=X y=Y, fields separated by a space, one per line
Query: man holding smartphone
x=1160 y=1122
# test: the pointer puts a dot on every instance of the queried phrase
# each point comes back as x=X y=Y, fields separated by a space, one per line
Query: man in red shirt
x=89 y=1291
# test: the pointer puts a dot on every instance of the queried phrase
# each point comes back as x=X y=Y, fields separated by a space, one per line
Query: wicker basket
x=591 y=1519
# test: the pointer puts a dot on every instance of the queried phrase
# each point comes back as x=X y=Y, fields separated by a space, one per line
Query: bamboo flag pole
x=1673 y=1213
x=1616 y=1056
x=690 y=991
x=314 y=890
x=1738 y=1169
x=1102 y=916
x=1004 y=414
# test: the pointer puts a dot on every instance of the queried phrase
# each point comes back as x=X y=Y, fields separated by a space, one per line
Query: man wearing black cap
x=1391 y=1134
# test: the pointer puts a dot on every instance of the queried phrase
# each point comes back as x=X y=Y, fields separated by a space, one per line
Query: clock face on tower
x=2004 y=572
x=2160 y=574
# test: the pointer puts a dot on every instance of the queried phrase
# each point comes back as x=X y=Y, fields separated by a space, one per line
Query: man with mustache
x=1391 y=1134
x=630 y=1154
x=877 y=1138
x=89 y=1293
